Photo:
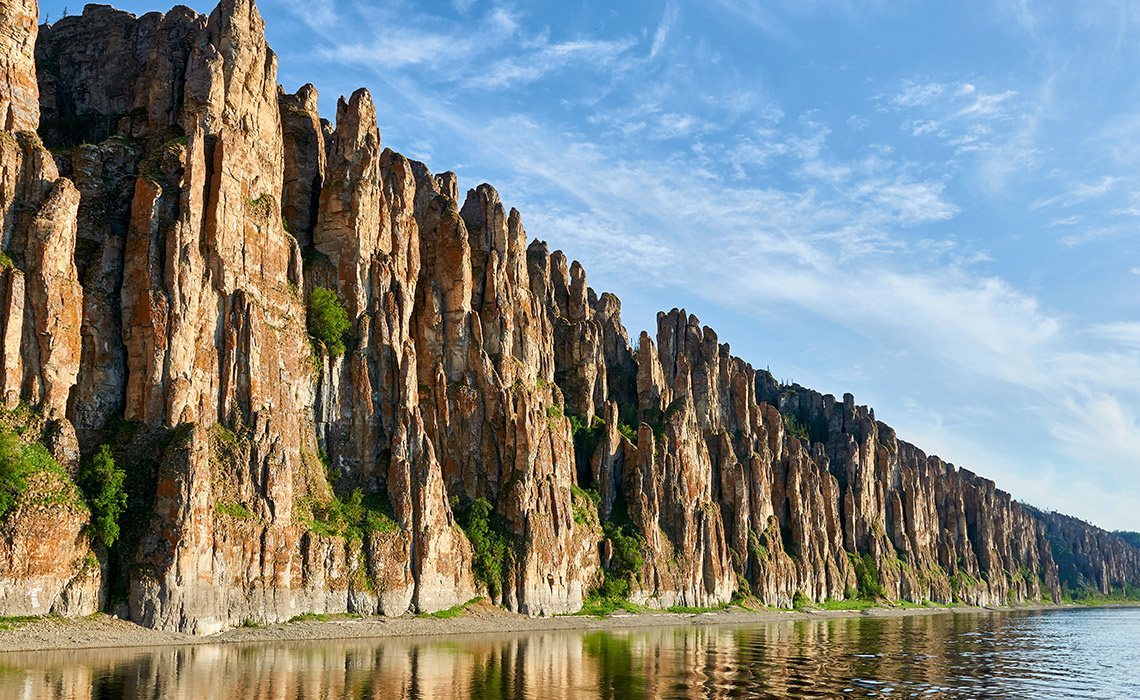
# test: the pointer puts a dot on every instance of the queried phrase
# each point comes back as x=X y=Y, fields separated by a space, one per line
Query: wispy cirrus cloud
x=497 y=53
x=846 y=232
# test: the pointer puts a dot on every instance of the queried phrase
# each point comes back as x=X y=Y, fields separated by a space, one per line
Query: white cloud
x=1126 y=333
x=494 y=54
x=663 y=27
x=671 y=179
x=1080 y=193
x=918 y=95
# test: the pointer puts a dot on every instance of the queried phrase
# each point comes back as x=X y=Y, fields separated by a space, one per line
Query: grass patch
x=324 y=617
x=354 y=518
x=234 y=510
x=21 y=461
x=603 y=607
x=453 y=611
x=856 y=604
x=691 y=610
x=582 y=501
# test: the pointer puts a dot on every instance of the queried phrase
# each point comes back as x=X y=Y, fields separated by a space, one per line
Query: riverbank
x=103 y=631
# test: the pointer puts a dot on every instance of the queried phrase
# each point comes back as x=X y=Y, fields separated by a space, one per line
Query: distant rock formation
x=160 y=261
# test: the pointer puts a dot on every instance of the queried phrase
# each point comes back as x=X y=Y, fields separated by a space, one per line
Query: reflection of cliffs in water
x=993 y=656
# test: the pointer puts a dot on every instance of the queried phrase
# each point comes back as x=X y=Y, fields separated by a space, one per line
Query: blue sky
x=932 y=205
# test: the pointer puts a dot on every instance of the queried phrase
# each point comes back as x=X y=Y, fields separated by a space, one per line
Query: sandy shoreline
x=102 y=631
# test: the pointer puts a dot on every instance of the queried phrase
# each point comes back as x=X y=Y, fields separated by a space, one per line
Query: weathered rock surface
x=154 y=299
x=1088 y=557
x=19 y=90
x=47 y=562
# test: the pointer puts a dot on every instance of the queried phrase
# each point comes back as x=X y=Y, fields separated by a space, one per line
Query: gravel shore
x=103 y=631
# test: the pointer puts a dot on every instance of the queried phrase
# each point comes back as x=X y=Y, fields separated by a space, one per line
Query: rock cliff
x=334 y=385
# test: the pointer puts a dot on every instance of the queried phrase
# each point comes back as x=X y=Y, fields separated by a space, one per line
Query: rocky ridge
x=160 y=261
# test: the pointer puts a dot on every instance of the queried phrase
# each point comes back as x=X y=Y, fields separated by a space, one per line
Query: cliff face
x=156 y=301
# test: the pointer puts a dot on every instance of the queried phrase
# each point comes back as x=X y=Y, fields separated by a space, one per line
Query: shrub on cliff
x=12 y=471
x=354 y=517
x=490 y=543
x=327 y=320
x=627 y=561
x=867 y=577
x=102 y=484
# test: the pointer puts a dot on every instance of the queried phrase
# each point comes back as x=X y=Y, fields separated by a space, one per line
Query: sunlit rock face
x=160 y=261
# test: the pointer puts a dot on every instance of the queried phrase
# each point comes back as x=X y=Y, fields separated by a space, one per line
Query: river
x=1087 y=653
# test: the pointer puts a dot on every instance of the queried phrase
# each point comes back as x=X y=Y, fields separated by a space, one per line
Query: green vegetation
x=758 y=551
x=1089 y=596
x=627 y=561
x=154 y=167
x=866 y=577
x=553 y=416
x=1132 y=538
x=690 y=610
x=453 y=611
x=7 y=623
x=601 y=607
x=625 y=564
x=850 y=604
x=6 y=261
x=582 y=501
x=586 y=439
x=799 y=600
x=234 y=510
x=311 y=256
x=962 y=581
x=102 y=485
x=249 y=623
x=627 y=423
x=261 y=209
x=18 y=462
x=323 y=617
x=327 y=320
x=795 y=428
x=354 y=518
x=226 y=438
x=628 y=432
x=493 y=544
x=12 y=472
x=657 y=420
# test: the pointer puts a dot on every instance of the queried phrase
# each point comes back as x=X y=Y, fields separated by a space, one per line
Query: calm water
x=1063 y=654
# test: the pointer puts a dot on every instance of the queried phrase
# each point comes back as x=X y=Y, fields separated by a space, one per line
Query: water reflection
x=1067 y=654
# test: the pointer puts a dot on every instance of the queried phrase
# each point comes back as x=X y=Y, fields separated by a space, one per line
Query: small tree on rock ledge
x=102 y=483
x=327 y=320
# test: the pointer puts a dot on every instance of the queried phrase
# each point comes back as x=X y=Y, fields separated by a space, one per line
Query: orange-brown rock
x=154 y=299
x=19 y=90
